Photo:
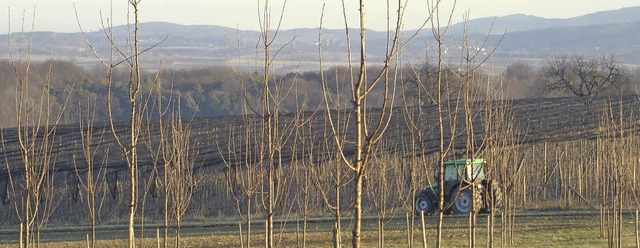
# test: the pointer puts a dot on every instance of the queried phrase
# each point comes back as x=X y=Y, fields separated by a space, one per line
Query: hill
x=180 y=46
x=522 y=22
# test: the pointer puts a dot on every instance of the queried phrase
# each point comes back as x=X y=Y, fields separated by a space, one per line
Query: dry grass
x=538 y=229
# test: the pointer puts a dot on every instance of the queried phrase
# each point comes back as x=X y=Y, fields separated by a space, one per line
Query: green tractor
x=461 y=177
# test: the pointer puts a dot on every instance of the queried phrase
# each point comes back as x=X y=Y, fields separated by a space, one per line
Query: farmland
x=538 y=120
x=557 y=164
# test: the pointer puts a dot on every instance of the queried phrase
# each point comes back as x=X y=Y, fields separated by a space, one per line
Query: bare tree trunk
x=249 y=222
x=165 y=210
x=132 y=200
x=512 y=221
x=441 y=154
x=620 y=219
x=27 y=215
x=357 y=209
x=240 y=238
x=382 y=232
x=22 y=245
x=410 y=230
x=304 y=229
x=609 y=228
x=424 y=231
x=338 y=226
x=637 y=233
x=132 y=153
x=602 y=228
x=178 y=226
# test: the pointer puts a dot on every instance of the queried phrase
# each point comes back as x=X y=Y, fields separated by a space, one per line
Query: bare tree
x=183 y=175
x=49 y=201
x=266 y=133
x=421 y=85
x=387 y=189
x=90 y=179
x=129 y=147
x=128 y=144
x=521 y=80
x=305 y=144
x=36 y=133
x=329 y=178
x=367 y=130
x=472 y=85
x=242 y=174
x=620 y=179
x=581 y=76
x=445 y=110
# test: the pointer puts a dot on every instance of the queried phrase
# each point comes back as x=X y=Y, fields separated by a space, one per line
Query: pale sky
x=59 y=15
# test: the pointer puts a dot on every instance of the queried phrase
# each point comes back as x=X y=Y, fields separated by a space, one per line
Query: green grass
x=536 y=229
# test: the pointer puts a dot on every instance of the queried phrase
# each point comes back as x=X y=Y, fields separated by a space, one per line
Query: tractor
x=465 y=189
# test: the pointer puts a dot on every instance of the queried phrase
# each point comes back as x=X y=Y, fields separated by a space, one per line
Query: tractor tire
x=477 y=201
x=495 y=196
x=463 y=204
x=493 y=200
x=424 y=203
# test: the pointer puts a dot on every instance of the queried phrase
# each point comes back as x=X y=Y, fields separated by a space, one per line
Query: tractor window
x=476 y=174
x=450 y=174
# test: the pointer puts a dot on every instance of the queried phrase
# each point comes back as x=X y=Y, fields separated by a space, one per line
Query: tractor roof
x=464 y=161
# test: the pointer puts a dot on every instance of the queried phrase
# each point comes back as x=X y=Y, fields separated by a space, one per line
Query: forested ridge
x=217 y=91
x=203 y=92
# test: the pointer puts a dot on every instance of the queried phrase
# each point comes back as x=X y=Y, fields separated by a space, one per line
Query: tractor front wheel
x=424 y=203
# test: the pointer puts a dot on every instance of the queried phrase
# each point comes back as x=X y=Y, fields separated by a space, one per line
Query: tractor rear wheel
x=493 y=197
x=495 y=194
x=464 y=202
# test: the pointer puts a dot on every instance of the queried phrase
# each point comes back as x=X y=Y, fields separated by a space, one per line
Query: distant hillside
x=622 y=39
x=521 y=22
x=183 y=46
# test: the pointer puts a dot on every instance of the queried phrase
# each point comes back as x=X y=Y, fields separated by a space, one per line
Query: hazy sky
x=59 y=15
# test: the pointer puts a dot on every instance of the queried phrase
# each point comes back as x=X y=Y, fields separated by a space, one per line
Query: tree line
x=216 y=91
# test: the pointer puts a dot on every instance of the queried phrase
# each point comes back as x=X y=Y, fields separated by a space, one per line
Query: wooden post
x=602 y=220
x=379 y=233
x=408 y=232
x=637 y=238
x=240 y=234
x=488 y=231
x=524 y=192
x=544 y=187
x=424 y=231
x=21 y=234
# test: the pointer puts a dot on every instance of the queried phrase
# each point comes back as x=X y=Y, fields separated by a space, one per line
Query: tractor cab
x=464 y=170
